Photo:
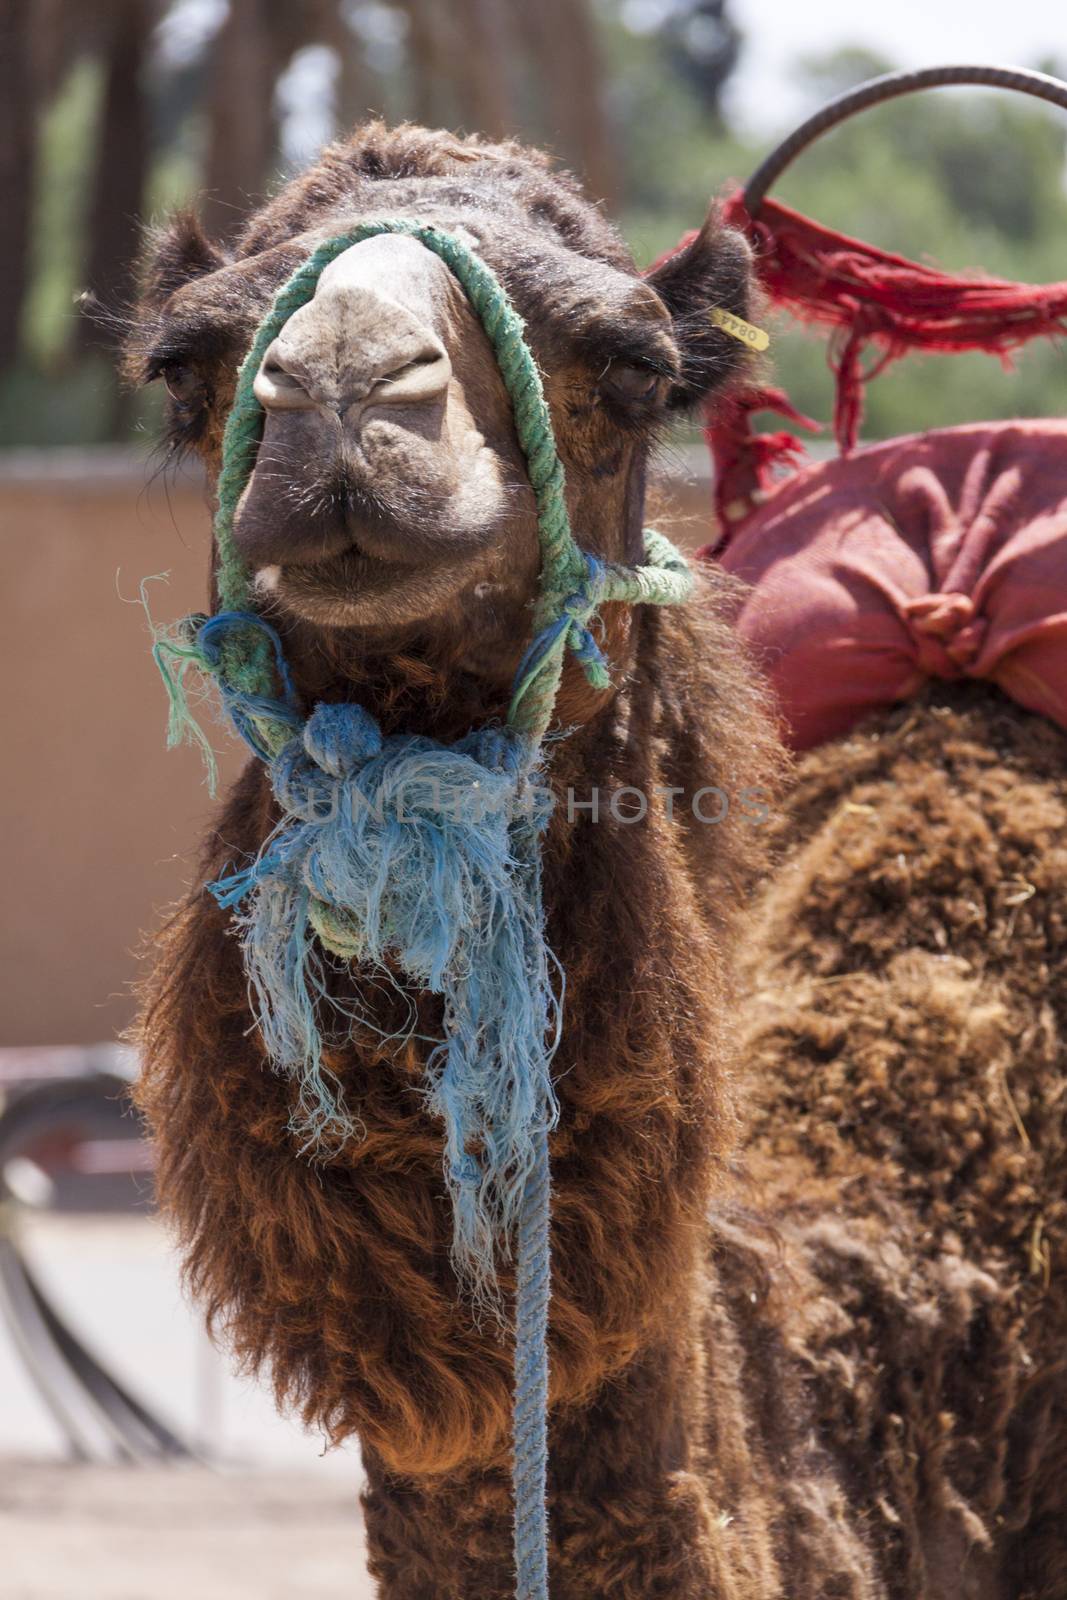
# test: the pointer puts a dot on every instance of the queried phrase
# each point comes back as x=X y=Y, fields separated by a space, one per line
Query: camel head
x=390 y=505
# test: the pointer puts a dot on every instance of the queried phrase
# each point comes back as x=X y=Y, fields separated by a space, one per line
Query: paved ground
x=115 y=1279
x=277 y=1521
x=115 y=1533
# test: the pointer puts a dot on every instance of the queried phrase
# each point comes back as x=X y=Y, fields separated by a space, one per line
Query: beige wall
x=99 y=821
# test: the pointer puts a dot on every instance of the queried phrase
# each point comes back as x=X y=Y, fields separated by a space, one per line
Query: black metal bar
x=91 y=1406
x=142 y=1433
x=60 y=1395
x=878 y=90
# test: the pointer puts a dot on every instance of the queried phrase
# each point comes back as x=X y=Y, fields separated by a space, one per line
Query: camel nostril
x=280 y=384
x=421 y=378
x=425 y=360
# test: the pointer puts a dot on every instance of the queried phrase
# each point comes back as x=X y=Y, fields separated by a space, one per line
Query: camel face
x=376 y=489
x=386 y=472
x=389 y=488
x=390 y=499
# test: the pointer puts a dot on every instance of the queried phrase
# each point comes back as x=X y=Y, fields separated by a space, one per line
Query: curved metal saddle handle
x=890 y=87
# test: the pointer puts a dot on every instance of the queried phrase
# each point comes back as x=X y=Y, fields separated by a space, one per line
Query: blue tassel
x=404 y=852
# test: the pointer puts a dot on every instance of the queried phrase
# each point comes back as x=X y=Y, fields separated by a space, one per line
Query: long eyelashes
x=183 y=383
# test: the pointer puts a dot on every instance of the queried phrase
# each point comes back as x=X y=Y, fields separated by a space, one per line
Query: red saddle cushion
x=939 y=555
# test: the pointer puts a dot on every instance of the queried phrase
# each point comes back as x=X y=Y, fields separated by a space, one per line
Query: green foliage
x=834 y=72
x=71 y=406
x=963 y=179
x=54 y=397
x=173 y=179
x=65 y=161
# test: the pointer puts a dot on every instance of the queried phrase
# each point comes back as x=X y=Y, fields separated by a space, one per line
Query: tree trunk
x=429 y=45
x=354 y=86
x=242 y=131
x=17 y=163
x=481 y=58
x=120 y=169
x=569 y=83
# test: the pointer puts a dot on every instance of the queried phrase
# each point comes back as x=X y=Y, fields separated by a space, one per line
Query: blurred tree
x=18 y=149
x=354 y=91
x=37 y=46
x=827 y=74
x=672 y=157
x=997 y=158
x=482 y=60
x=429 y=42
x=704 y=46
x=104 y=116
x=121 y=161
x=568 y=77
x=246 y=58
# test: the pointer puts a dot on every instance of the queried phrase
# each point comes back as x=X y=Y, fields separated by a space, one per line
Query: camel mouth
x=331 y=527
x=357 y=587
x=353 y=566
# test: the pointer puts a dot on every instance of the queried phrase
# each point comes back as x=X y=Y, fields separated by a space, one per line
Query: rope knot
x=301 y=787
x=340 y=738
x=578 y=610
x=498 y=750
x=308 y=775
x=580 y=605
x=947 y=631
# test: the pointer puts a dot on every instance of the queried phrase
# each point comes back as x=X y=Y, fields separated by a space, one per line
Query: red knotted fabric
x=942 y=555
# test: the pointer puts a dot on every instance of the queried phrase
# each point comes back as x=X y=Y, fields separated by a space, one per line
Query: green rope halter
x=245 y=658
x=567 y=588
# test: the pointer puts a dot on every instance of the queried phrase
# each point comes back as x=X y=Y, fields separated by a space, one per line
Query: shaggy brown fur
x=906 y=1047
x=840 y=1387
x=339 y=1273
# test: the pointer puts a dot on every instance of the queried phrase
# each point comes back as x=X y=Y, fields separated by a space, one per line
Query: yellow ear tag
x=755 y=338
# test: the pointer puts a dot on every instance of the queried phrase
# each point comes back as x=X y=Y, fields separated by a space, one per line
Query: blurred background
x=112 y=112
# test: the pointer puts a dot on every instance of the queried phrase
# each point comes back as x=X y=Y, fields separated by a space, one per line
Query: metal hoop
x=877 y=90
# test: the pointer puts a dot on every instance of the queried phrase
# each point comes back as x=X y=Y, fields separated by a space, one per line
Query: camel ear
x=712 y=269
x=174 y=255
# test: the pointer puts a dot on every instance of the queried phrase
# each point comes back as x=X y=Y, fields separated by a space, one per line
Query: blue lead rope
x=316 y=778
x=530 y=1414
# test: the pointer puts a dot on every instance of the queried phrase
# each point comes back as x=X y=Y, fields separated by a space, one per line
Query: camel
x=905 y=1026
x=771 y=1374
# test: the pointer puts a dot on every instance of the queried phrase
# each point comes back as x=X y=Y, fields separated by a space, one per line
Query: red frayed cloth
x=748 y=464
x=877 y=306
x=942 y=555
x=876 y=299
x=825 y=275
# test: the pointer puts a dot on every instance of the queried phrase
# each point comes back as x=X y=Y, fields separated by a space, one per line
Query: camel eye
x=181 y=382
x=630 y=382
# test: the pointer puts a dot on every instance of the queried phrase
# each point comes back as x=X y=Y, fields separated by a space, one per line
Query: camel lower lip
x=357 y=586
x=355 y=589
x=354 y=566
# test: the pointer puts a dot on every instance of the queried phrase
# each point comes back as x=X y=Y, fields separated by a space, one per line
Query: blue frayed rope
x=402 y=852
